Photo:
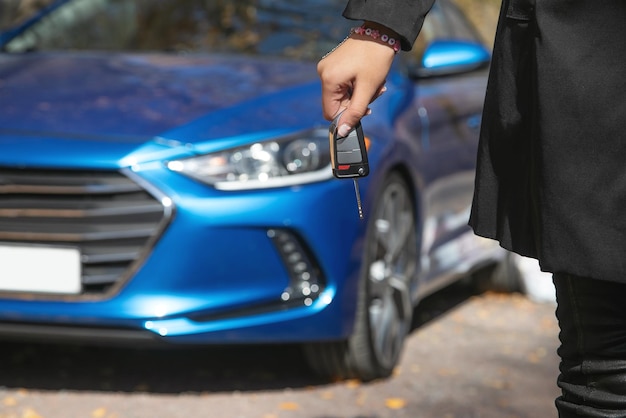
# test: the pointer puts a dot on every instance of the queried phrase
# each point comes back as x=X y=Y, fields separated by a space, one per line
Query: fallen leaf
x=504 y=403
x=353 y=384
x=447 y=372
x=99 y=413
x=327 y=395
x=483 y=314
x=9 y=401
x=289 y=406
x=395 y=403
x=31 y=413
x=495 y=384
x=504 y=371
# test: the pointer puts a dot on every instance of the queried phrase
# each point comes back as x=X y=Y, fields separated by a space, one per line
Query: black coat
x=551 y=174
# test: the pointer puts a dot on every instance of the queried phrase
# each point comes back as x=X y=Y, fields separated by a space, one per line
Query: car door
x=445 y=123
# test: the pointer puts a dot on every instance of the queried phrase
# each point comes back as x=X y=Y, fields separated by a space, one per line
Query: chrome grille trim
x=113 y=218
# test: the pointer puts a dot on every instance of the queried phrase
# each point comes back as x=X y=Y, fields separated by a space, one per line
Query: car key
x=348 y=156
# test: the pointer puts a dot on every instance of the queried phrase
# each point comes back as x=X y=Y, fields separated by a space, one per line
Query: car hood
x=132 y=99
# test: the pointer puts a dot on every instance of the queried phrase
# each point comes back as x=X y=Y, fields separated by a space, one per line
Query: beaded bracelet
x=376 y=35
x=372 y=33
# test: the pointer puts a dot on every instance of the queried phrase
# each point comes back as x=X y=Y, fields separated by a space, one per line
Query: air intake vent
x=108 y=216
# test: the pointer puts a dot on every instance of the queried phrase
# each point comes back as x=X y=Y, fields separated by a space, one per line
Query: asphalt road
x=469 y=355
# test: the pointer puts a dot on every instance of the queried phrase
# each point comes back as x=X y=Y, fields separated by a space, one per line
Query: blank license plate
x=39 y=269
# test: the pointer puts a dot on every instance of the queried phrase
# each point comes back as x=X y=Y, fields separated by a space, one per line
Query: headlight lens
x=297 y=159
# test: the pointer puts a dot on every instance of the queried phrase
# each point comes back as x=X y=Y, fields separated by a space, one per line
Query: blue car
x=165 y=178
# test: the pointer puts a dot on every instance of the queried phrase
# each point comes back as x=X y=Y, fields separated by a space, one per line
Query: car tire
x=384 y=305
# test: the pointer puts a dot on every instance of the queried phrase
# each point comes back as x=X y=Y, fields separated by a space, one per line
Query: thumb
x=358 y=107
x=353 y=114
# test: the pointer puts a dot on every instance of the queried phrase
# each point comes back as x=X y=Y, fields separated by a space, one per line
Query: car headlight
x=292 y=160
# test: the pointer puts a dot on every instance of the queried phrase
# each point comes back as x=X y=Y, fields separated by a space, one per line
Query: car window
x=15 y=12
x=304 y=29
x=97 y=24
x=295 y=28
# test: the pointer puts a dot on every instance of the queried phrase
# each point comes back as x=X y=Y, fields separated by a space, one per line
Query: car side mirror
x=449 y=57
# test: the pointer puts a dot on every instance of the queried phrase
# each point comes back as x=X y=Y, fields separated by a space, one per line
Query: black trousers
x=592 y=318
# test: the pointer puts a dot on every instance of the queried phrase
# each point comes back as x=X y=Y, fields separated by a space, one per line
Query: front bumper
x=214 y=273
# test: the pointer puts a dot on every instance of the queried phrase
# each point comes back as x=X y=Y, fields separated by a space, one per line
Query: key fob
x=348 y=154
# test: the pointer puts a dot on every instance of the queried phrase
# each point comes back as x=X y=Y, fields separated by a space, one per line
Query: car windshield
x=304 y=29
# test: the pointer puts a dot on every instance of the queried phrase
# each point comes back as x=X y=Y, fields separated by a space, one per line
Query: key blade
x=358 y=197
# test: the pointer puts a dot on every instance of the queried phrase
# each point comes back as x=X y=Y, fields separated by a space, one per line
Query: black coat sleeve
x=405 y=17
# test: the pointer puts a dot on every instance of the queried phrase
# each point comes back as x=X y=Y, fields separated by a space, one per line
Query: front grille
x=107 y=215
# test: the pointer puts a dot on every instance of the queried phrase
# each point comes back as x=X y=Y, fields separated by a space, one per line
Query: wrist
x=378 y=33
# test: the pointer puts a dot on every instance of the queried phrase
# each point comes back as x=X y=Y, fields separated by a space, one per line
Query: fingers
x=338 y=96
x=334 y=100
x=355 y=111
x=336 y=89
x=353 y=76
x=357 y=108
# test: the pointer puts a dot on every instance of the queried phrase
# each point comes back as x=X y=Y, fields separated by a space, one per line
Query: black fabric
x=551 y=178
x=504 y=204
x=592 y=318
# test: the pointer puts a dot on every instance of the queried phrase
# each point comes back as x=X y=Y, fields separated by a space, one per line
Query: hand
x=353 y=76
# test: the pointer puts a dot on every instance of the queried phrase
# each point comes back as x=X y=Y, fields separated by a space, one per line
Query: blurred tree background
x=230 y=23
x=484 y=14
x=12 y=11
